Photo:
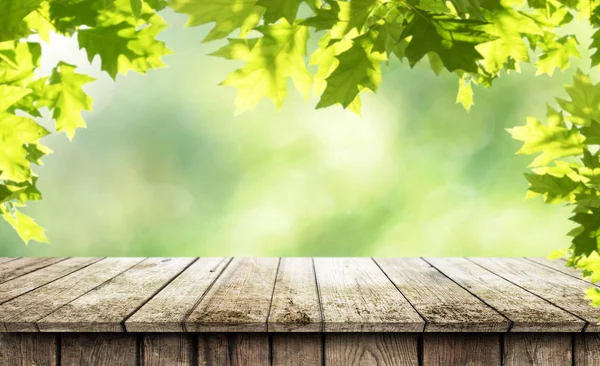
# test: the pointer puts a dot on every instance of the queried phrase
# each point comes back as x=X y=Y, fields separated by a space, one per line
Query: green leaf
x=358 y=68
x=277 y=9
x=67 y=16
x=136 y=7
x=69 y=98
x=15 y=133
x=26 y=227
x=12 y=13
x=125 y=43
x=343 y=17
x=553 y=141
x=27 y=59
x=591 y=133
x=21 y=192
x=465 y=93
x=452 y=39
x=472 y=7
x=228 y=15
x=554 y=189
x=508 y=26
x=270 y=60
x=585 y=240
x=584 y=105
x=556 y=53
x=39 y=21
x=596 y=45
x=10 y=95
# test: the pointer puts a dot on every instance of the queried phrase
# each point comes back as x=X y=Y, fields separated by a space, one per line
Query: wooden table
x=294 y=311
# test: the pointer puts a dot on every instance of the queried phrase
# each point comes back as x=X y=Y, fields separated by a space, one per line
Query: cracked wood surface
x=308 y=295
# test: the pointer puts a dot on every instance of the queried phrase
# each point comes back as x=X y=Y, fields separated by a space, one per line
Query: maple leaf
x=68 y=98
x=358 y=68
x=556 y=52
x=287 y=9
x=228 y=15
x=508 y=26
x=15 y=133
x=553 y=141
x=124 y=42
x=342 y=17
x=270 y=60
x=12 y=14
x=554 y=189
x=584 y=105
x=452 y=39
x=585 y=237
x=25 y=226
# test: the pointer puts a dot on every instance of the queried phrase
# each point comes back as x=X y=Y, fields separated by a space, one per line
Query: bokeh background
x=166 y=169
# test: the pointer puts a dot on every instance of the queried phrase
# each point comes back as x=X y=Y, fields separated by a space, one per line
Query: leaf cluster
x=566 y=168
x=476 y=40
x=121 y=33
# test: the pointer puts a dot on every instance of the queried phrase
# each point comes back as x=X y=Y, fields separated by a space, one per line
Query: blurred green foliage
x=164 y=168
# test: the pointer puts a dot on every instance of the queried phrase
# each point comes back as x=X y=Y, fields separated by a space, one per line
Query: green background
x=165 y=168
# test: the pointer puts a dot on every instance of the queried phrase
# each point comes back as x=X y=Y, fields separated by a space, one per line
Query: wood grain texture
x=538 y=349
x=371 y=349
x=104 y=309
x=98 y=349
x=295 y=305
x=16 y=268
x=27 y=349
x=461 y=349
x=297 y=349
x=22 y=313
x=445 y=306
x=7 y=259
x=167 y=310
x=239 y=300
x=356 y=296
x=240 y=349
x=169 y=349
x=558 y=265
x=528 y=312
x=20 y=285
x=557 y=288
x=587 y=349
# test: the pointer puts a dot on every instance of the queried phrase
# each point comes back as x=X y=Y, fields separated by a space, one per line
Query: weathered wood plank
x=21 y=313
x=7 y=259
x=371 y=349
x=558 y=265
x=528 y=312
x=587 y=349
x=167 y=310
x=239 y=349
x=16 y=268
x=98 y=349
x=239 y=300
x=538 y=349
x=169 y=349
x=461 y=349
x=445 y=306
x=104 y=309
x=20 y=285
x=559 y=289
x=27 y=349
x=295 y=305
x=357 y=296
x=297 y=349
